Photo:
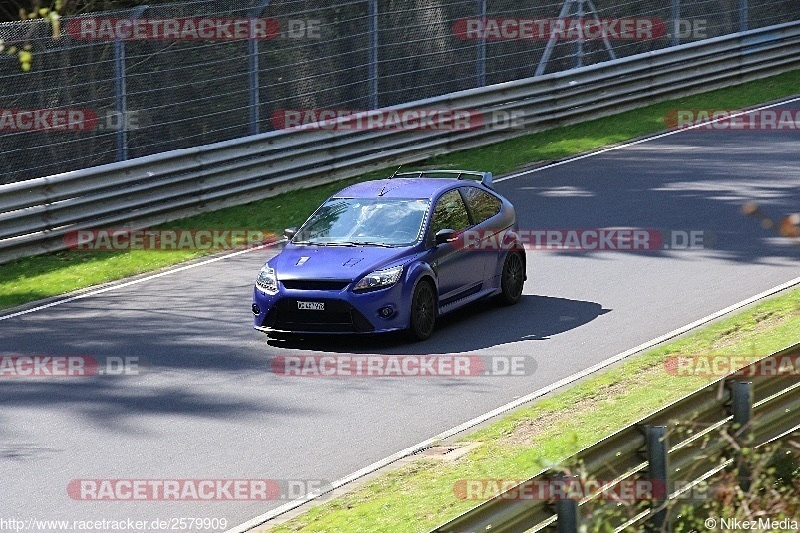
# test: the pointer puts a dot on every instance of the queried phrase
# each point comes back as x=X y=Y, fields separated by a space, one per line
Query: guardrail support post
x=742 y=410
x=372 y=48
x=566 y=508
x=567 y=511
x=481 y=66
x=656 y=440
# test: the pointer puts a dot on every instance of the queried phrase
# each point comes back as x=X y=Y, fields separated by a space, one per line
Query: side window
x=482 y=204
x=449 y=213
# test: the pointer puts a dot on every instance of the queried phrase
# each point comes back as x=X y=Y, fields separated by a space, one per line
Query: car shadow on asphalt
x=481 y=325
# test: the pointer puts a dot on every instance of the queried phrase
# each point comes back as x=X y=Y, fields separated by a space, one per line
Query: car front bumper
x=344 y=310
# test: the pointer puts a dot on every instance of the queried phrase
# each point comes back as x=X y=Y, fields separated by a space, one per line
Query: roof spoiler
x=485 y=177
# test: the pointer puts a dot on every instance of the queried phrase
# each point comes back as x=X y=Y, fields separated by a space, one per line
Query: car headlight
x=379 y=279
x=267 y=281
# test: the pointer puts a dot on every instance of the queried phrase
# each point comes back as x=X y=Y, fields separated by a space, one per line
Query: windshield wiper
x=322 y=243
x=346 y=243
x=366 y=243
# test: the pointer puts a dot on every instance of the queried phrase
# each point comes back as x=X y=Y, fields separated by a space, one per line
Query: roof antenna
x=383 y=189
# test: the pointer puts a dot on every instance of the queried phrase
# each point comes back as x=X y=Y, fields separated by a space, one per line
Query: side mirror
x=445 y=235
x=290 y=232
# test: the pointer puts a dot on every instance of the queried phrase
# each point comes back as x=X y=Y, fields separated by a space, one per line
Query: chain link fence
x=117 y=85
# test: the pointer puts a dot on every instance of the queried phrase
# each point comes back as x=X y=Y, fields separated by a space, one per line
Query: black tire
x=512 y=278
x=423 y=311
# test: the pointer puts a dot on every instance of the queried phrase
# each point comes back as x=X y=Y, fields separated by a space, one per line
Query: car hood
x=334 y=262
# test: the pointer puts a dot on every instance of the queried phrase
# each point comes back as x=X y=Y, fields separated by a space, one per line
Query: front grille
x=338 y=317
x=315 y=284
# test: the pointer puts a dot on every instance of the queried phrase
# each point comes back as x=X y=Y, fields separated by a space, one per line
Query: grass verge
x=419 y=496
x=35 y=278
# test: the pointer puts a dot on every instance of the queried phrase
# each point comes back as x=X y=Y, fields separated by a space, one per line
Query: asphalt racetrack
x=208 y=406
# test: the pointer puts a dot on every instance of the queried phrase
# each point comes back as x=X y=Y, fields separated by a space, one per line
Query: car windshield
x=374 y=221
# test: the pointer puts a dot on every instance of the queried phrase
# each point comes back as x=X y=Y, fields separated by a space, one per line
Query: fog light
x=385 y=312
x=256 y=309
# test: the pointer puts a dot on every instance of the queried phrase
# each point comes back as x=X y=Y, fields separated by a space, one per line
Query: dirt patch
x=526 y=430
x=762 y=323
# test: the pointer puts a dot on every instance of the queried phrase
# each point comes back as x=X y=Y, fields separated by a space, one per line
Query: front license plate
x=313 y=306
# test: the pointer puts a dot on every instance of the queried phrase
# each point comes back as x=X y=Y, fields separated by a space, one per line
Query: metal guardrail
x=766 y=407
x=35 y=215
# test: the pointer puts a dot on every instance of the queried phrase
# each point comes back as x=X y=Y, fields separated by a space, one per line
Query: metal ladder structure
x=580 y=12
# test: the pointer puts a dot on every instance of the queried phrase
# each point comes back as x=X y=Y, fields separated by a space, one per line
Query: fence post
x=121 y=91
x=121 y=105
x=742 y=15
x=252 y=78
x=579 y=42
x=675 y=16
x=481 y=63
x=656 y=440
x=372 y=47
x=742 y=410
x=254 y=103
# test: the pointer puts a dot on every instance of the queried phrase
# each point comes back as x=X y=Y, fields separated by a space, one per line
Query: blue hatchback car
x=391 y=254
